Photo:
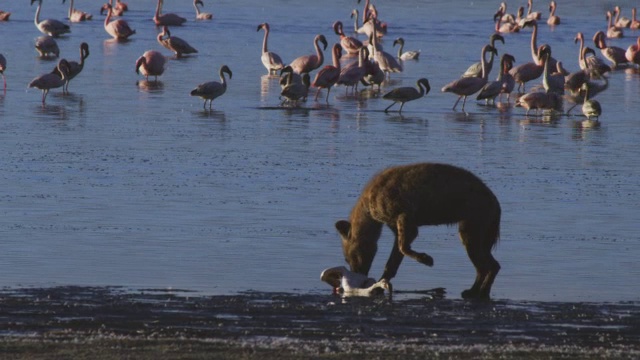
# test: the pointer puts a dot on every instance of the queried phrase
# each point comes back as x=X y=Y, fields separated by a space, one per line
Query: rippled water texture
x=121 y=183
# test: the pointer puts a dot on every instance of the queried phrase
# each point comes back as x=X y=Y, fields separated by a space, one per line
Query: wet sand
x=108 y=323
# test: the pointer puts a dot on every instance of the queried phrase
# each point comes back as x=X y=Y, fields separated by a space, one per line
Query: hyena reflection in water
x=409 y=196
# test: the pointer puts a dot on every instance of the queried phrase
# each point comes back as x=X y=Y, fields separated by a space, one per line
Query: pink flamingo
x=174 y=43
x=151 y=63
x=119 y=29
x=308 y=63
x=49 y=27
x=3 y=67
x=553 y=18
x=329 y=75
x=591 y=62
x=633 y=52
x=535 y=51
x=349 y=44
x=387 y=62
x=74 y=67
x=613 y=32
x=120 y=6
x=528 y=71
x=635 y=24
x=351 y=75
x=507 y=27
x=201 y=15
x=532 y=15
x=46 y=46
x=270 y=60
x=612 y=53
x=466 y=86
x=211 y=90
x=4 y=15
x=621 y=22
x=118 y=9
x=494 y=88
x=169 y=19
x=50 y=81
x=407 y=93
x=76 y=15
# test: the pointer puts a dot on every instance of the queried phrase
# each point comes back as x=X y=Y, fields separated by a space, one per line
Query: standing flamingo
x=4 y=15
x=329 y=75
x=403 y=94
x=118 y=9
x=405 y=55
x=613 y=32
x=535 y=51
x=475 y=70
x=532 y=15
x=590 y=108
x=151 y=63
x=349 y=44
x=174 y=43
x=387 y=62
x=633 y=53
x=494 y=88
x=46 y=46
x=635 y=24
x=169 y=19
x=612 y=53
x=553 y=18
x=308 y=63
x=528 y=71
x=201 y=15
x=3 y=67
x=49 y=27
x=351 y=75
x=466 y=86
x=119 y=29
x=213 y=89
x=270 y=60
x=621 y=22
x=507 y=27
x=74 y=67
x=50 y=81
x=295 y=91
x=76 y=15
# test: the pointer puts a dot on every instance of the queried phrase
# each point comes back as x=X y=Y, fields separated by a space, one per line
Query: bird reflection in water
x=150 y=86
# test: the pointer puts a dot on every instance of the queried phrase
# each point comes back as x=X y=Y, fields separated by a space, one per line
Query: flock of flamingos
x=370 y=64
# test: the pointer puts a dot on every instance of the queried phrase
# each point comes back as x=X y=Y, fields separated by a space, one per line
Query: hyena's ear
x=343 y=227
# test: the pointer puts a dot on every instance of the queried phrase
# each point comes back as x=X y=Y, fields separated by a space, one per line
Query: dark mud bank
x=280 y=325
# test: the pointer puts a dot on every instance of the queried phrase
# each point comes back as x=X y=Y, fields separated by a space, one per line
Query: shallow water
x=120 y=183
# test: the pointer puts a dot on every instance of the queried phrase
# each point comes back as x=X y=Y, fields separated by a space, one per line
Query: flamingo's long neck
x=534 y=45
x=609 y=16
x=400 y=49
x=581 y=54
x=355 y=14
x=482 y=64
x=106 y=20
x=319 y=52
x=365 y=11
x=553 y=10
x=36 y=20
x=264 y=41
x=158 y=7
x=70 y=9
x=336 y=60
x=195 y=5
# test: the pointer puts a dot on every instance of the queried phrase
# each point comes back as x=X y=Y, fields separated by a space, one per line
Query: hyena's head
x=358 y=253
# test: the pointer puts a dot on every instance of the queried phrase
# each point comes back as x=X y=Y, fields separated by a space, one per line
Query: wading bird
x=74 y=67
x=329 y=74
x=49 y=27
x=119 y=29
x=553 y=18
x=76 y=15
x=475 y=70
x=169 y=19
x=151 y=63
x=466 y=86
x=50 y=81
x=405 y=55
x=213 y=89
x=47 y=46
x=201 y=15
x=612 y=53
x=308 y=63
x=349 y=44
x=174 y=43
x=403 y=94
x=271 y=61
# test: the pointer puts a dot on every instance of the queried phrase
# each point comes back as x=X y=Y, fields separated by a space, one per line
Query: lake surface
x=133 y=184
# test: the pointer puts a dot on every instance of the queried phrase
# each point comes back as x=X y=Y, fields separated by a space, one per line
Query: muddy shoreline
x=111 y=322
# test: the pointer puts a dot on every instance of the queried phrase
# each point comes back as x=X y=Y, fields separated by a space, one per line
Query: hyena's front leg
x=407 y=232
x=395 y=259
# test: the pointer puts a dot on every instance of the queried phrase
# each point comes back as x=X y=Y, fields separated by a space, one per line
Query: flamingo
x=507 y=27
x=367 y=26
x=119 y=29
x=494 y=88
x=50 y=81
x=612 y=53
x=270 y=60
x=621 y=22
x=528 y=71
x=169 y=19
x=350 y=283
x=405 y=55
x=46 y=46
x=351 y=75
x=295 y=91
x=590 y=108
x=552 y=83
x=174 y=43
x=592 y=62
x=633 y=52
x=74 y=67
x=403 y=94
x=373 y=75
x=613 y=32
x=284 y=76
x=475 y=70
x=466 y=86
x=308 y=63
x=532 y=15
x=635 y=24
x=49 y=27
x=553 y=18
x=535 y=51
x=506 y=17
x=3 y=67
x=213 y=89
x=201 y=15
x=577 y=97
x=508 y=82
x=386 y=61
x=349 y=44
x=76 y=15
x=151 y=63
x=4 y=15
x=329 y=75
x=538 y=101
x=118 y=9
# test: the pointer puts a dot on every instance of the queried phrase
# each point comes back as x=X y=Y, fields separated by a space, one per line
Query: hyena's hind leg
x=406 y=232
x=478 y=241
